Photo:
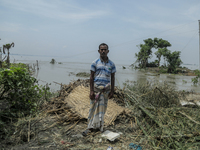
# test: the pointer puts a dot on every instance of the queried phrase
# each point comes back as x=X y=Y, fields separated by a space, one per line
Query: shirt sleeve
x=93 y=67
x=113 y=68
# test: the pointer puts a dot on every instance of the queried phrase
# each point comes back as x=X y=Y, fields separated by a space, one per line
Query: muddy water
x=65 y=73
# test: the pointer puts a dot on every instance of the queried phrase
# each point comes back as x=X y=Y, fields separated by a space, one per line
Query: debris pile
x=164 y=122
x=151 y=116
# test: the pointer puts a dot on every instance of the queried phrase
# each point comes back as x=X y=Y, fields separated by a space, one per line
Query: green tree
x=143 y=55
x=8 y=46
x=161 y=52
x=161 y=45
x=158 y=54
x=173 y=60
x=145 y=52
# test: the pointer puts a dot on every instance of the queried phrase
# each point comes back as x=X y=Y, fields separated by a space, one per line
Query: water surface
x=65 y=73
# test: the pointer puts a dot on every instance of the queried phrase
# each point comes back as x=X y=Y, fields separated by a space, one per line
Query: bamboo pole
x=189 y=117
x=146 y=112
x=141 y=127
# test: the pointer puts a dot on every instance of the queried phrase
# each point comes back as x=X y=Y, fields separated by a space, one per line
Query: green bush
x=20 y=96
x=18 y=90
x=19 y=65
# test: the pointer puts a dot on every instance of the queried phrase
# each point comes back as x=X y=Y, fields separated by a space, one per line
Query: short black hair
x=103 y=44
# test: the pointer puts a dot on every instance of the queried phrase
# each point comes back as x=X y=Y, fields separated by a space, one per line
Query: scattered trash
x=110 y=148
x=100 y=140
x=187 y=103
x=111 y=136
x=135 y=146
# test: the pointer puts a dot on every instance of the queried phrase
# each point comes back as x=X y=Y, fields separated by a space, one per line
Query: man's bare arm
x=92 y=96
x=112 y=85
x=112 y=82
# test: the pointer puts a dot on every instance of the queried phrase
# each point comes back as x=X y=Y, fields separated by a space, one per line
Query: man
x=102 y=81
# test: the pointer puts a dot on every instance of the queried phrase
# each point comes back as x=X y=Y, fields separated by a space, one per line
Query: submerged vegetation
x=53 y=61
x=83 y=74
x=196 y=79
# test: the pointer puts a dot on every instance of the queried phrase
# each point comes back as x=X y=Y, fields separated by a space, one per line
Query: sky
x=73 y=29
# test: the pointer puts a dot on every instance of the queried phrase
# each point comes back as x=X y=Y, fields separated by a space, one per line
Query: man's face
x=103 y=51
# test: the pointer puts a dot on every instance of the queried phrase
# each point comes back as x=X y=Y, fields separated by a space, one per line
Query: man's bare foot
x=85 y=133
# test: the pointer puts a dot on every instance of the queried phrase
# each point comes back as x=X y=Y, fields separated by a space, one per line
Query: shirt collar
x=103 y=61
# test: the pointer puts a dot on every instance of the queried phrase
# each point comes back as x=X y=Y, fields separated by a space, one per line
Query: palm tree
x=8 y=46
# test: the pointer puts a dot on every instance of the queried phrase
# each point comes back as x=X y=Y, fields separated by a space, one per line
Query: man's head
x=103 y=50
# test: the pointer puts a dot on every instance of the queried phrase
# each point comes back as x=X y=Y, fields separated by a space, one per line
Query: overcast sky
x=73 y=29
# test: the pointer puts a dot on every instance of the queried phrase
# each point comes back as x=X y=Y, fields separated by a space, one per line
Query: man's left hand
x=110 y=95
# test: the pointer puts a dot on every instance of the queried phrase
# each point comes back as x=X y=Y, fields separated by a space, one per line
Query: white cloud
x=54 y=9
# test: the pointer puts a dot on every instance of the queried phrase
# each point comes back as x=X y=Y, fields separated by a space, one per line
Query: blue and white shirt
x=102 y=71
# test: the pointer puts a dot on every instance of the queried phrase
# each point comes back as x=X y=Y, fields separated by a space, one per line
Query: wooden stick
x=57 y=115
x=189 y=117
x=55 y=110
x=141 y=127
x=113 y=119
x=29 y=128
x=131 y=124
x=57 y=83
x=138 y=135
x=72 y=126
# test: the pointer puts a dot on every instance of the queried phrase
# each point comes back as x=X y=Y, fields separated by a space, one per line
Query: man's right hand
x=92 y=96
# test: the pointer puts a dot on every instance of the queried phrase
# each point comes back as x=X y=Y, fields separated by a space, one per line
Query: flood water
x=66 y=72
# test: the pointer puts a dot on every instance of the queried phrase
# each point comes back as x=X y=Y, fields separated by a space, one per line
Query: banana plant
x=7 y=47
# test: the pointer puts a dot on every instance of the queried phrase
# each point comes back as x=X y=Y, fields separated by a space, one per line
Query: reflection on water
x=65 y=73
